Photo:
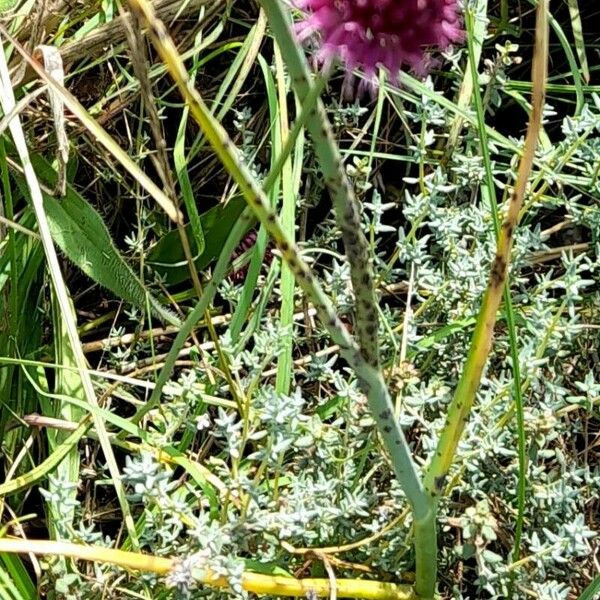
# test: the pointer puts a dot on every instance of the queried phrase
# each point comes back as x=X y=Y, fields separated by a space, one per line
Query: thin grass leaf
x=67 y=383
x=288 y=223
x=259 y=248
x=8 y=101
x=19 y=576
x=592 y=591
x=579 y=40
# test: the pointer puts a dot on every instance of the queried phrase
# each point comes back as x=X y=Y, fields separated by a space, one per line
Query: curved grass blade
x=49 y=464
x=7 y=100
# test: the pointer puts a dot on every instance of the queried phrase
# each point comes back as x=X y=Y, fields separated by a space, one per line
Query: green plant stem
x=464 y=396
x=347 y=209
x=490 y=189
x=371 y=379
x=481 y=342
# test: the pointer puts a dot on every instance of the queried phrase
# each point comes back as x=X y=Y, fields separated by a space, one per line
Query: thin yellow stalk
x=481 y=343
x=273 y=585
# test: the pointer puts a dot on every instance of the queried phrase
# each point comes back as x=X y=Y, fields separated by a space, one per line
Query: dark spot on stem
x=350 y=214
x=498 y=271
x=386 y=414
x=438 y=483
x=366 y=304
x=508 y=227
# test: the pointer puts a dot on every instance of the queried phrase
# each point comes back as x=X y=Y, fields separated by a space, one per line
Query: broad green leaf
x=6 y=5
x=167 y=257
x=79 y=231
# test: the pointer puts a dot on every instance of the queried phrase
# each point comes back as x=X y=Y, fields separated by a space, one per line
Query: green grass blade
x=67 y=383
x=570 y=56
x=289 y=190
x=47 y=465
x=578 y=36
x=592 y=591
x=185 y=185
x=489 y=192
x=19 y=576
x=8 y=102
x=258 y=250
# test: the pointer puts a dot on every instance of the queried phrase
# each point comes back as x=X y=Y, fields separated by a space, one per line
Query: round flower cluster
x=393 y=34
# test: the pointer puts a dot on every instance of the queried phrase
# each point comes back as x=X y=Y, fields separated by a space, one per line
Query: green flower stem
x=347 y=208
x=464 y=396
x=371 y=379
x=474 y=33
x=357 y=251
x=481 y=343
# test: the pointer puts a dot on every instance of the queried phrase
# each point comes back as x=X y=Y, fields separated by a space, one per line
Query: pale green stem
x=347 y=208
x=372 y=381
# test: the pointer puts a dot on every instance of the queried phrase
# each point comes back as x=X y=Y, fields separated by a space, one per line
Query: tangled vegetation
x=247 y=302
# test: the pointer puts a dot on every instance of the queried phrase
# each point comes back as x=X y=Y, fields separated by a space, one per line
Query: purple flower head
x=392 y=34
